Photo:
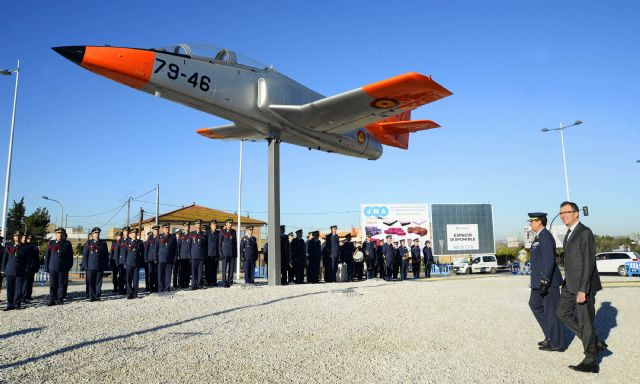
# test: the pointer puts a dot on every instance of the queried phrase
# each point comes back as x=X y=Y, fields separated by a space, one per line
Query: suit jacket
x=543 y=261
x=581 y=273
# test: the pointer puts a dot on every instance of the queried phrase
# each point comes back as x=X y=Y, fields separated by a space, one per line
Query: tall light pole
x=239 y=207
x=8 y=72
x=564 y=156
x=61 y=207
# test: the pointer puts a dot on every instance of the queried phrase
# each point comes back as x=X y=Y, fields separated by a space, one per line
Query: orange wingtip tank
x=208 y=132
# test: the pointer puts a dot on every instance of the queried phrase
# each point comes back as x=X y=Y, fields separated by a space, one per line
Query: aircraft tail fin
x=394 y=130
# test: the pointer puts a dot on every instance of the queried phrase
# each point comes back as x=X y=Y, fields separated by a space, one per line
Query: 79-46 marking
x=173 y=71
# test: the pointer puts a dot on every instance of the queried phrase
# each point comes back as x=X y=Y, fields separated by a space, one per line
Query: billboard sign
x=402 y=221
x=462 y=237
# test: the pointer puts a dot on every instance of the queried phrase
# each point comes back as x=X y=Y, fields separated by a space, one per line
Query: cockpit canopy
x=212 y=54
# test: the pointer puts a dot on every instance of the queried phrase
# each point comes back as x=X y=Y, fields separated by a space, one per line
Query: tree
x=15 y=218
x=37 y=223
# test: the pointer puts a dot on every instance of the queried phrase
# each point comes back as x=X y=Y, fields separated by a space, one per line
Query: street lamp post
x=61 y=207
x=564 y=156
x=8 y=72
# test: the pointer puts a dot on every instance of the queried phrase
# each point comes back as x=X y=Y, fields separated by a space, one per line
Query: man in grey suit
x=580 y=286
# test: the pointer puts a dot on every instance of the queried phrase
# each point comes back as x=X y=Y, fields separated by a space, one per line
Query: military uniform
x=183 y=266
x=122 y=268
x=166 y=255
x=427 y=253
x=151 y=258
x=134 y=261
x=415 y=260
x=332 y=244
x=199 y=249
x=285 y=257
x=380 y=264
x=58 y=260
x=298 y=257
x=545 y=285
x=228 y=253
x=403 y=256
x=33 y=266
x=369 y=250
x=14 y=266
x=113 y=263
x=346 y=252
x=314 y=253
x=249 y=254
x=389 y=253
x=213 y=256
x=95 y=257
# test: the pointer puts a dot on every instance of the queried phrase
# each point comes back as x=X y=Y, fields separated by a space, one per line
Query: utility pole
x=157 y=202
x=128 y=210
x=140 y=221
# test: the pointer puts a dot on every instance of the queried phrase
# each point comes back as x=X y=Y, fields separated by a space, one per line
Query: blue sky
x=514 y=67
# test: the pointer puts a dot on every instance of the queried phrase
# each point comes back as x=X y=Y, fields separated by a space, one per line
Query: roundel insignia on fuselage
x=384 y=103
x=361 y=137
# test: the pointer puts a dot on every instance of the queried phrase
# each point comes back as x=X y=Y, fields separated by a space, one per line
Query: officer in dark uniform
x=415 y=258
x=134 y=261
x=14 y=266
x=397 y=260
x=122 y=258
x=213 y=257
x=403 y=254
x=249 y=254
x=389 y=253
x=228 y=252
x=291 y=266
x=151 y=257
x=199 y=249
x=285 y=256
x=427 y=253
x=545 y=284
x=113 y=260
x=58 y=260
x=380 y=264
x=183 y=266
x=298 y=257
x=33 y=266
x=314 y=252
x=166 y=255
x=95 y=257
x=369 y=251
x=332 y=244
x=347 y=250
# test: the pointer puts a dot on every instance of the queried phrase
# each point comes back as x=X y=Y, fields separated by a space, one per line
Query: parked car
x=614 y=261
x=485 y=263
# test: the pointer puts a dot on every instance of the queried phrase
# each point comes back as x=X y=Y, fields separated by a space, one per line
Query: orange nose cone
x=132 y=67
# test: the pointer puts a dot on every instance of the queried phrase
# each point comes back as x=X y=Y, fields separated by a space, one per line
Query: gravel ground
x=464 y=329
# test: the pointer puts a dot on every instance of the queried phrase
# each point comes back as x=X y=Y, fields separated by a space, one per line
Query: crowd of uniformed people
x=190 y=259
x=338 y=261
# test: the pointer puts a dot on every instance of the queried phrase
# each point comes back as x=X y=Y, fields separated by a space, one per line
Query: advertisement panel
x=402 y=221
x=462 y=237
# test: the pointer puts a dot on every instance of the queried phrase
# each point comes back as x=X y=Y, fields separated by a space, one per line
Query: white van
x=608 y=262
x=476 y=264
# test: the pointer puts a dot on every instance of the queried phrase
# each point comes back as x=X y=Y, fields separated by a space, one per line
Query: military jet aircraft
x=262 y=103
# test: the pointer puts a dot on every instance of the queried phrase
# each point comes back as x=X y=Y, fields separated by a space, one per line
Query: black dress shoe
x=582 y=367
x=544 y=343
x=92 y=300
x=60 y=302
x=551 y=348
x=9 y=309
x=226 y=285
x=601 y=345
x=51 y=304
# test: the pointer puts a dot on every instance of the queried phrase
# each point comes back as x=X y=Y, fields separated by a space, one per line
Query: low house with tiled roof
x=194 y=212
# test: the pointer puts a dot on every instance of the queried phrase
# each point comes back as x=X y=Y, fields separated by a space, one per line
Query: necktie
x=566 y=237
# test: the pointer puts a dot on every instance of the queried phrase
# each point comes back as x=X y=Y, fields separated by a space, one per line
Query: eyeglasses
x=567 y=212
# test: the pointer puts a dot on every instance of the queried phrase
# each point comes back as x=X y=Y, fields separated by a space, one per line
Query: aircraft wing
x=365 y=105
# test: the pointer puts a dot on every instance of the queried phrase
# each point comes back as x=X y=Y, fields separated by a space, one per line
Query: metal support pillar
x=273 y=220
